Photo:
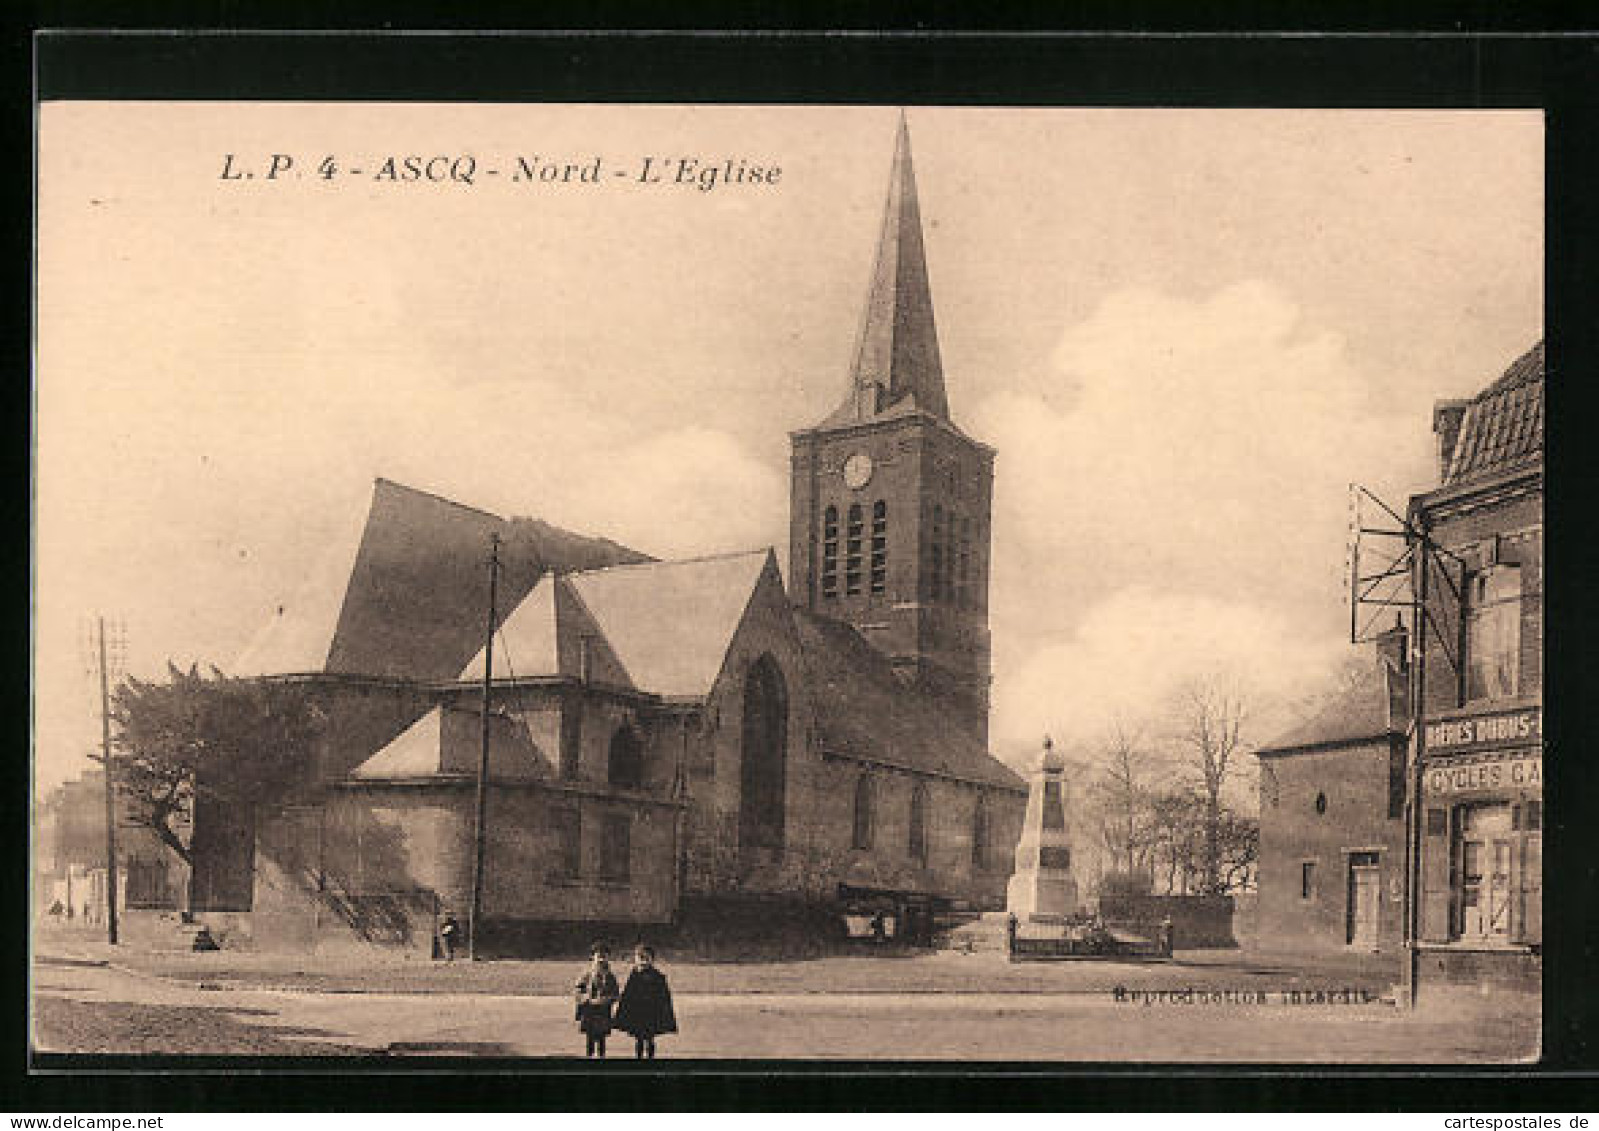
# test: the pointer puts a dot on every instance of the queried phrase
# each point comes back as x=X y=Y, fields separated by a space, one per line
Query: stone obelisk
x=1042 y=886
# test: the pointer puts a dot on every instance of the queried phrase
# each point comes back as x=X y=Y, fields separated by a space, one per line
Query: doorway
x=1365 y=900
x=1483 y=865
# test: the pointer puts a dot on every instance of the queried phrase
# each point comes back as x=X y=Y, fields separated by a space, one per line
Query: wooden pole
x=483 y=757
x=1416 y=813
x=110 y=797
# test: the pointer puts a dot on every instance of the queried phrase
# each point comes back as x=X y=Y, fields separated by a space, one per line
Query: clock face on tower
x=857 y=471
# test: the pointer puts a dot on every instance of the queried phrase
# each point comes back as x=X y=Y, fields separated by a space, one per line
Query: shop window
x=616 y=847
x=864 y=801
x=1493 y=633
x=830 y=552
x=1307 y=879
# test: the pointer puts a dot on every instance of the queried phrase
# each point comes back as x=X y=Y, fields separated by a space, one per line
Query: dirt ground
x=88 y=1008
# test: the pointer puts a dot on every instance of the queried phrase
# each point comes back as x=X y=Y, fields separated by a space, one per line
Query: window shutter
x=1436 y=867
x=1531 y=889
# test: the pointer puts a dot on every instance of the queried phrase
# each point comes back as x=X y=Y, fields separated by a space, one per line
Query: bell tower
x=891 y=501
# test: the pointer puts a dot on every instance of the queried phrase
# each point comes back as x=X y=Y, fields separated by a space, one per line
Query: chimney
x=1447 y=417
x=1392 y=646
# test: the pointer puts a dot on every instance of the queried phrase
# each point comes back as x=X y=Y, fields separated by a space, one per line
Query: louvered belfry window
x=830 y=552
x=879 y=546
x=852 y=551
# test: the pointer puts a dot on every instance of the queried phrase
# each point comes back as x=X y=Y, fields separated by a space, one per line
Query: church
x=690 y=751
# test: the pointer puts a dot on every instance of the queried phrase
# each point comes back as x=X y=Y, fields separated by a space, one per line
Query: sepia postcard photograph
x=847 y=583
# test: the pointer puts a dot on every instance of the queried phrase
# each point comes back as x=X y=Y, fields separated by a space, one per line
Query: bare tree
x=1211 y=716
x=1123 y=795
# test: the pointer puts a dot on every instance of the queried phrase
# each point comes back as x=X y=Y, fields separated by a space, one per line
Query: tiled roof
x=449 y=742
x=898 y=346
x=670 y=623
x=407 y=599
x=1503 y=425
x=1374 y=708
x=864 y=711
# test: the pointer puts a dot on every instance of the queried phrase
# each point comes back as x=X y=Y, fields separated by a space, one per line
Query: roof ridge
x=436 y=497
x=657 y=563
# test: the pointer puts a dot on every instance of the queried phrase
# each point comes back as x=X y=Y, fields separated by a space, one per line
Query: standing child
x=596 y=994
x=646 y=1009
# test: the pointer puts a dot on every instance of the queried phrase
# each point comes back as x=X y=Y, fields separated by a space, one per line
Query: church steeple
x=890 y=505
x=897 y=364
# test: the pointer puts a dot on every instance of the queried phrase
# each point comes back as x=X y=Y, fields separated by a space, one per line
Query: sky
x=1185 y=331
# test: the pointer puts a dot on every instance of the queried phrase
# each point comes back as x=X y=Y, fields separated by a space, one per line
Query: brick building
x=1478 y=848
x=1332 y=796
x=684 y=747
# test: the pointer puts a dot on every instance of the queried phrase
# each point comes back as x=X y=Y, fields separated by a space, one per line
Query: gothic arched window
x=830 y=552
x=865 y=800
x=918 y=823
x=763 y=756
x=879 y=546
x=625 y=765
x=936 y=572
x=982 y=833
x=950 y=562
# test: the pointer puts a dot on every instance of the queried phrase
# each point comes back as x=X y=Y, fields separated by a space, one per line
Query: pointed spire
x=897 y=356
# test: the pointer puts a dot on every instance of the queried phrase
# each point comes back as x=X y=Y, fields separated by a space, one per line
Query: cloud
x=1183 y=505
x=1135 y=650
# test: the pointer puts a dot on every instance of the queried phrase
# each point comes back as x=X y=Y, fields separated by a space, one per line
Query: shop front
x=1481 y=861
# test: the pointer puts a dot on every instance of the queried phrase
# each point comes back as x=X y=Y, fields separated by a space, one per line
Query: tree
x=1176 y=824
x=1238 y=850
x=1123 y=799
x=236 y=740
x=1211 y=716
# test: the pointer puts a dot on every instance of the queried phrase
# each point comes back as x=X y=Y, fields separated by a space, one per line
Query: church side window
x=982 y=833
x=616 y=847
x=949 y=557
x=852 y=559
x=830 y=552
x=864 y=791
x=963 y=576
x=937 y=571
x=918 y=823
x=879 y=546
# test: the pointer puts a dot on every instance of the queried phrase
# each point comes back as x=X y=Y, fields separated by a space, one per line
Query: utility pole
x=483 y=756
x=1418 y=704
x=110 y=796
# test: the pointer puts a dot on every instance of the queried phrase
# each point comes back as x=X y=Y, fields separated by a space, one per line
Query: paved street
x=92 y=1008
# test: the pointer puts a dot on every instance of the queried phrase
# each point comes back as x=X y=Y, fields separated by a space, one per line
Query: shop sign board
x=1476 y=732
x=1512 y=772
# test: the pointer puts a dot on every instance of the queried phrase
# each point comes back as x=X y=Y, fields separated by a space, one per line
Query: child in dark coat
x=646 y=1008
x=596 y=994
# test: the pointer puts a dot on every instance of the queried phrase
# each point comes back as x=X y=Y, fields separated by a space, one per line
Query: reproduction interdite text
x=1191 y=996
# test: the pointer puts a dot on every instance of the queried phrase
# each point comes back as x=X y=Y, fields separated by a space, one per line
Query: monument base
x=1033 y=894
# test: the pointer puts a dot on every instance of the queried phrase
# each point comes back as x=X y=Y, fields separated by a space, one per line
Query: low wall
x=1199 y=922
x=1441 y=967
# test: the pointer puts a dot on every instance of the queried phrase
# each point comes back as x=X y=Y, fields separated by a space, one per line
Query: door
x=1365 y=899
x=1485 y=856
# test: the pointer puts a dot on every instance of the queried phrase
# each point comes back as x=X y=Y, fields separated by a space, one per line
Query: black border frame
x=937 y=61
